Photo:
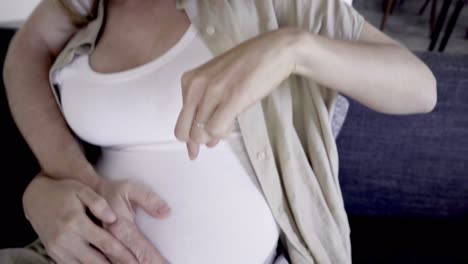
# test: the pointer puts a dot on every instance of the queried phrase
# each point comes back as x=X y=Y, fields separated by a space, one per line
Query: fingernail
x=163 y=209
x=192 y=156
x=109 y=215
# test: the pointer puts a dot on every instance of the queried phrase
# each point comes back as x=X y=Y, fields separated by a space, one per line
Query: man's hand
x=56 y=210
x=124 y=197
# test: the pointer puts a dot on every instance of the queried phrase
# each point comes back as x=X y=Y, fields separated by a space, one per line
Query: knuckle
x=111 y=248
x=66 y=227
x=143 y=256
x=216 y=132
x=190 y=95
x=121 y=229
x=85 y=190
x=113 y=228
x=180 y=135
x=95 y=259
x=237 y=94
x=125 y=186
x=99 y=203
x=194 y=87
x=69 y=222
x=150 y=196
x=199 y=81
x=185 y=79
x=199 y=137
x=135 y=185
x=215 y=84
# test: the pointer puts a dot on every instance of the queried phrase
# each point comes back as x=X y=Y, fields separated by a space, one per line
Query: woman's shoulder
x=332 y=18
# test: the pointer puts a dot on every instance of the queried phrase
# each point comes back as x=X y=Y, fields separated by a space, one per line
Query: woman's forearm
x=383 y=76
x=31 y=100
x=38 y=117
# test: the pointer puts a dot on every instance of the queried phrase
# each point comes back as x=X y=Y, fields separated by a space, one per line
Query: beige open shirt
x=288 y=134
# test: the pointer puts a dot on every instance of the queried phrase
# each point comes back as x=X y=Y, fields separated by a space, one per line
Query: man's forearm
x=37 y=115
x=383 y=76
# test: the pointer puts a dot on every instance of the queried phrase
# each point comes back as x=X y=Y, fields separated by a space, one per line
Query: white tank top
x=219 y=214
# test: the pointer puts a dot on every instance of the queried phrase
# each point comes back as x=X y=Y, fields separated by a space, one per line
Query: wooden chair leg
x=433 y=15
x=439 y=23
x=451 y=24
x=423 y=7
x=394 y=3
x=388 y=8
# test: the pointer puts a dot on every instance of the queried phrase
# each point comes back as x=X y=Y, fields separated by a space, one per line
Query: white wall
x=14 y=10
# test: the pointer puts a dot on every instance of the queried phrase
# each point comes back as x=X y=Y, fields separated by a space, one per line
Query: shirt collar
x=180 y=4
x=86 y=38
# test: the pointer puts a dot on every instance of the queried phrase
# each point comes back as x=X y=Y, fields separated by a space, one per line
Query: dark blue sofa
x=404 y=179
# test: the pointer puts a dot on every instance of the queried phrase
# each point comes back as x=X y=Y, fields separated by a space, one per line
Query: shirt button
x=210 y=30
x=261 y=155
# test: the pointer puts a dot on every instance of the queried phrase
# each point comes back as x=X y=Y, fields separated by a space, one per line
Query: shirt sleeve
x=80 y=11
x=333 y=18
x=336 y=19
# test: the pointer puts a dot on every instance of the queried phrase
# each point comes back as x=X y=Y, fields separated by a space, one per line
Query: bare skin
x=41 y=123
x=68 y=239
x=375 y=71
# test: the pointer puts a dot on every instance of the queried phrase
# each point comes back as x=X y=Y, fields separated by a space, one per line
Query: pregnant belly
x=218 y=213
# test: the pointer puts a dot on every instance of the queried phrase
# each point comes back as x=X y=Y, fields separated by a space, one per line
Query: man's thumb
x=151 y=202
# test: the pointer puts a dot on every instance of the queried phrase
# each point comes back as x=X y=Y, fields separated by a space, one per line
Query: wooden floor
x=412 y=30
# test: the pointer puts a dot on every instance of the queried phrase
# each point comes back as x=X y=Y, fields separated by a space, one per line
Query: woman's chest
x=134 y=35
x=140 y=105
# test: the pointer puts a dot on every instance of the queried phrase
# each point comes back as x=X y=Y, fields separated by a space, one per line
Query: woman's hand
x=215 y=93
x=56 y=210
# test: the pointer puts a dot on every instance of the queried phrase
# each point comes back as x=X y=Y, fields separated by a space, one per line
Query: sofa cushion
x=410 y=166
